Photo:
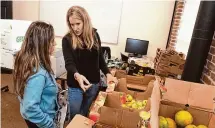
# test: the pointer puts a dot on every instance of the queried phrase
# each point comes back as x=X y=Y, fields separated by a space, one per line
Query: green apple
x=144 y=102
x=139 y=103
x=134 y=106
x=129 y=98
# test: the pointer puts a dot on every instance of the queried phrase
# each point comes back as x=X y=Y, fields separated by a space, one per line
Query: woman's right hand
x=81 y=79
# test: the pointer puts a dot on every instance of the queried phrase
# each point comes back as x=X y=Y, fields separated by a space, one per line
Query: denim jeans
x=80 y=101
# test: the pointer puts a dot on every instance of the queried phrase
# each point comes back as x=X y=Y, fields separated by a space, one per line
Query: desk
x=140 y=66
x=143 y=62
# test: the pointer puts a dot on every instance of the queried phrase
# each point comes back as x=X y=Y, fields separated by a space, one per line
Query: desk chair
x=124 y=58
x=106 y=52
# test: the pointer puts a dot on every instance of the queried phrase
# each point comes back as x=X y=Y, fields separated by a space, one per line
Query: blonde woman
x=33 y=77
x=83 y=61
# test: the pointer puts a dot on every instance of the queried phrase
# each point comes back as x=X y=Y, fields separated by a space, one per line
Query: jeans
x=80 y=101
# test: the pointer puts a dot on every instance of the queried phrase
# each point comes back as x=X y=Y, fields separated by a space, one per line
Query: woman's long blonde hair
x=33 y=54
x=88 y=35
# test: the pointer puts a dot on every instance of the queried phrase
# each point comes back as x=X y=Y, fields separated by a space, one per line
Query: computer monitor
x=136 y=46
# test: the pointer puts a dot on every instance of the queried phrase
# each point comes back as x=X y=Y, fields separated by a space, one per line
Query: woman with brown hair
x=83 y=61
x=33 y=77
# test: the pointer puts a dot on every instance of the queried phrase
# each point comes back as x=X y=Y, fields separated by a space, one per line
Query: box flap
x=145 y=95
x=140 y=80
x=118 y=118
x=100 y=101
x=80 y=122
x=177 y=91
x=113 y=100
x=155 y=104
x=200 y=116
x=110 y=116
x=183 y=92
x=136 y=87
x=120 y=74
x=121 y=86
x=202 y=96
x=129 y=119
x=147 y=78
x=212 y=122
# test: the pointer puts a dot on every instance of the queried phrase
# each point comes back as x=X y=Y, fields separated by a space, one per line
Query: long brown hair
x=88 y=35
x=33 y=54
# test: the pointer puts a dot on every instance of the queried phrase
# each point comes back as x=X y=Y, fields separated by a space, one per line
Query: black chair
x=106 y=52
x=124 y=58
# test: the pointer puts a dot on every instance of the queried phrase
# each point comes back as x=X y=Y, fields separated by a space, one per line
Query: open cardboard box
x=199 y=97
x=117 y=118
x=135 y=82
x=120 y=74
x=122 y=87
x=113 y=100
x=112 y=114
x=139 y=82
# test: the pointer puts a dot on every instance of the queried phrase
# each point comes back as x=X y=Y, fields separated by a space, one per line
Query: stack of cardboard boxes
x=169 y=63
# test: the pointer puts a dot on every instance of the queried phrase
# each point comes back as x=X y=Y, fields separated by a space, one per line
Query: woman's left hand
x=110 y=78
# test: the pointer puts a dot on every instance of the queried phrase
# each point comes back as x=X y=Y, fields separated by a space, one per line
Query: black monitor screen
x=136 y=46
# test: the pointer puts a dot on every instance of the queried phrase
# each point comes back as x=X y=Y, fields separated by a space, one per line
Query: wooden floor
x=10 y=114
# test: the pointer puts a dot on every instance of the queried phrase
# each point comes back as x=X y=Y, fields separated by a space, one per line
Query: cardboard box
x=57 y=62
x=12 y=33
x=58 y=65
x=113 y=115
x=169 y=63
x=135 y=82
x=117 y=118
x=100 y=101
x=113 y=100
x=120 y=74
x=121 y=117
x=7 y=59
x=199 y=97
x=80 y=121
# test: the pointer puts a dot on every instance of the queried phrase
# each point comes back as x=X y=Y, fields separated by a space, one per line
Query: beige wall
x=147 y=20
x=26 y=10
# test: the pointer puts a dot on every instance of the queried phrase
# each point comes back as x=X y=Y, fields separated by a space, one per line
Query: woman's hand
x=110 y=78
x=81 y=79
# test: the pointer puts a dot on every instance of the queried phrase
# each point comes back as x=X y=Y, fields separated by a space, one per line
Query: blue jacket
x=39 y=103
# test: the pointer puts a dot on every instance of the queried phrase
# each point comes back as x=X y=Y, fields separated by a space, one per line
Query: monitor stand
x=135 y=55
